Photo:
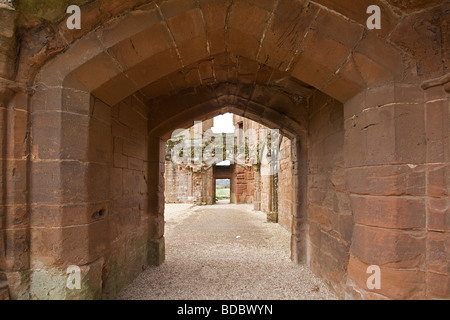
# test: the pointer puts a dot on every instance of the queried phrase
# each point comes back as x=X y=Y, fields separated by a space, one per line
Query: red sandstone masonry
x=395 y=141
x=329 y=250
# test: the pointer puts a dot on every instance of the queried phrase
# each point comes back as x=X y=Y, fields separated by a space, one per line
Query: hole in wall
x=98 y=214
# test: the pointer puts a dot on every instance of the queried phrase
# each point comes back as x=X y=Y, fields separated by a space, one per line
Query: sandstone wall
x=437 y=200
x=198 y=60
x=266 y=192
x=283 y=195
x=285 y=190
x=128 y=217
x=178 y=183
x=13 y=146
x=330 y=217
x=243 y=180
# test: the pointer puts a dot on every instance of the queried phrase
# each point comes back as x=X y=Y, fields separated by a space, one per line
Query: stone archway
x=159 y=66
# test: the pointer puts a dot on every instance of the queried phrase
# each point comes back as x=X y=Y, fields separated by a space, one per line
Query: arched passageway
x=87 y=113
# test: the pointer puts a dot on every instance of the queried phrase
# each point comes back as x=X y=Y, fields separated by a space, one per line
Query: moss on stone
x=50 y=10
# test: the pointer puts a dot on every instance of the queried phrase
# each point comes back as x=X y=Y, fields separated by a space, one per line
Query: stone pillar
x=387 y=162
x=204 y=189
x=69 y=192
x=156 y=243
x=15 y=232
x=437 y=199
x=257 y=189
x=14 y=151
x=210 y=186
x=299 y=250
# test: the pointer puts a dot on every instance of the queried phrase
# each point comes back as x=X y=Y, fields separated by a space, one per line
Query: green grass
x=223 y=193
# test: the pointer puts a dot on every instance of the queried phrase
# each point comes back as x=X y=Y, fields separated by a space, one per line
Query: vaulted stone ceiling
x=418 y=27
x=241 y=53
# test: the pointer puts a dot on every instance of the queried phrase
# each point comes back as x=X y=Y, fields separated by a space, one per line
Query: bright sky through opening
x=223 y=124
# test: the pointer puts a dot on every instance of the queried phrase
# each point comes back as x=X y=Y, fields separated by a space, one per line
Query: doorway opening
x=223 y=191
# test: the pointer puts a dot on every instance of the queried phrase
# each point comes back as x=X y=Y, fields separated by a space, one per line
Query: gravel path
x=225 y=252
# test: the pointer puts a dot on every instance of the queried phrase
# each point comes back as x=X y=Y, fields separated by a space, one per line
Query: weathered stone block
x=397 y=284
x=311 y=72
x=142 y=45
x=331 y=55
x=70 y=100
x=342 y=88
x=437 y=133
x=438 y=213
x=438 y=285
x=214 y=14
x=410 y=140
x=18 y=285
x=156 y=252
x=120 y=160
x=372 y=72
x=422 y=40
x=377 y=50
x=16 y=216
x=355 y=141
x=190 y=35
x=46 y=132
x=159 y=65
x=52 y=283
x=74 y=245
x=246 y=26
x=389 y=247
x=335 y=27
x=64 y=215
x=389 y=212
x=387 y=180
x=438 y=180
x=379 y=96
x=17 y=244
x=45 y=182
x=438 y=252
x=355 y=105
x=279 y=46
x=93 y=73
x=355 y=11
x=16 y=178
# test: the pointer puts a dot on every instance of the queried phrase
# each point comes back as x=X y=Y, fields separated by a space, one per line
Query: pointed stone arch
x=253 y=58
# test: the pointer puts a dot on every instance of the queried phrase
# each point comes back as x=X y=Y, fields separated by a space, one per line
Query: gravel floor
x=225 y=252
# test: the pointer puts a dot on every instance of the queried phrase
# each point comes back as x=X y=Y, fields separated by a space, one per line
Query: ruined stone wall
x=243 y=175
x=198 y=187
x=57 y=164
x=243 y=179
x=283 y=195
x=285 y=190
x=209 y=187
x=266 y=190
x=178 y=183
x=185 y=183
x=329 y=212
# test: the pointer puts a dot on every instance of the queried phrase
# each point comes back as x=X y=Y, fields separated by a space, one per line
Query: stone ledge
x=441 y=81
x=15 y=86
